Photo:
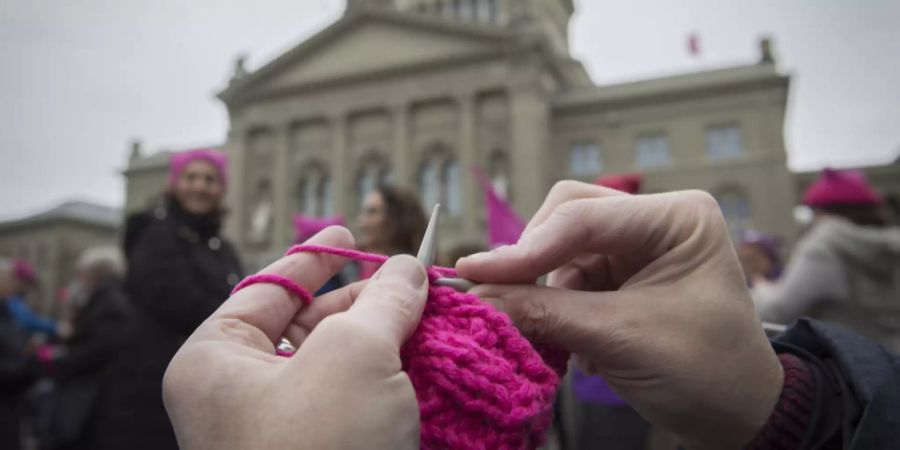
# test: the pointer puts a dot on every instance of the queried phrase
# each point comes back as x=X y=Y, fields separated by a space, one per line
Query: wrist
x=787 y=425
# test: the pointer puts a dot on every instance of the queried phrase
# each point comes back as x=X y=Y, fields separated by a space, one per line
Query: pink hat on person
x=178 y=161
x=848 y=187
x=24 y=271
x=307 y=226
x=626 y=182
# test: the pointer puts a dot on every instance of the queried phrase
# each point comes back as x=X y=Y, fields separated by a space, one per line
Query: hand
x=344 y=388
x=647 y=292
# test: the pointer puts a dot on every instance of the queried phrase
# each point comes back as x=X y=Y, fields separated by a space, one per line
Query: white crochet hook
x=428 y=250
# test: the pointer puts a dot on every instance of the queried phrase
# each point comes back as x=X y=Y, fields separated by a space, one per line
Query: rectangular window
x=467 y=10
x=652 y=150
x=585 y=159
x=724 y=142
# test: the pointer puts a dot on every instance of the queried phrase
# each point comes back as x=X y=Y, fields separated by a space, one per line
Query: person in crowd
x=25 y=281
x=846 y=269
x=17 y=369
x=391 y=222
x=100 y=318
x=179 y=270
x=644 y=290
x=760 y=256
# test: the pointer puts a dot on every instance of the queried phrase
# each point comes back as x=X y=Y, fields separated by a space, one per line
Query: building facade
x=415 y=93
x=53 y=240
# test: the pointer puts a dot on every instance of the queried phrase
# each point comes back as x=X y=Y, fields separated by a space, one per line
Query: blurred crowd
x=91 y=379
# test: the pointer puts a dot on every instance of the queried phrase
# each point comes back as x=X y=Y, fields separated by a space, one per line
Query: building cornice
x=671 y=87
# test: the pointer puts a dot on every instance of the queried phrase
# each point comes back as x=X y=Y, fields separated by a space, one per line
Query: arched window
x=315 y=193
x=453 y=188
x=440 y=181
x=373 y=172
x=498 y=170
x=736 y=208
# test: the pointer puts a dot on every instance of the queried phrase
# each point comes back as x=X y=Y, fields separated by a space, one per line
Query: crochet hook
x=428 y=250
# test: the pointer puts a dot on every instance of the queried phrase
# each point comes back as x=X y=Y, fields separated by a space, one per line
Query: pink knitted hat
x=178 y=161
x=307 y=226
x=626 y=182
x=24 y=271
x=834 y=187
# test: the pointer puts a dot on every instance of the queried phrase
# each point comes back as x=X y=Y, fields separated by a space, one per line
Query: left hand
x=344 y=388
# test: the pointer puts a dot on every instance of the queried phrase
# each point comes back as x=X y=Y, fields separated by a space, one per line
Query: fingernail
x=487 y=255
x=403 y=268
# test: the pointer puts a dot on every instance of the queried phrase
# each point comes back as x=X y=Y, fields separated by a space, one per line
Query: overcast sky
x=80 y=78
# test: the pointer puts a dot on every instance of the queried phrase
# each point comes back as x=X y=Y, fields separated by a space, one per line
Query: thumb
x=561 y=318
x=393 y=300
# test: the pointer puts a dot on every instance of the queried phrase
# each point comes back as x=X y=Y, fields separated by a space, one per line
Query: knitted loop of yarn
x=479 y=383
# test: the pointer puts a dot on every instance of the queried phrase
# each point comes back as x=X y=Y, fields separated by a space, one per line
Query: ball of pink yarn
x=479 y=383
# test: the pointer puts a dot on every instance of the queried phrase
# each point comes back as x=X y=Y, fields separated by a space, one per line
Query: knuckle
x=562 y=189
x=533 y=318
x=703 y=202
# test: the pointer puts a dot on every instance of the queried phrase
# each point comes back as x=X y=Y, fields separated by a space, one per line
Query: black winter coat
x=82 y=410
x=17 y=372
x=179 y=271
x=858 y=387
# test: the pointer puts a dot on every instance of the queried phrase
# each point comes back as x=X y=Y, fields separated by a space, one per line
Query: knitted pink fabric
x=478 y=382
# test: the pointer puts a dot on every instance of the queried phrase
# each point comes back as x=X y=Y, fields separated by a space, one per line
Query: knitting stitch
x=479 y=383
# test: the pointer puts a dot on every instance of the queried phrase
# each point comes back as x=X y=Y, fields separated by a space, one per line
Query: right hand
x=647 y=292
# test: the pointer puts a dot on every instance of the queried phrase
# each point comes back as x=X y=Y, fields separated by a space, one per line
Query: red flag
x=693 y=44
x=504 y=225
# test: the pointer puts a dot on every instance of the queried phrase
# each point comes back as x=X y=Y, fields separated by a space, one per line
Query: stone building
x=416 y=92
x=52 y=241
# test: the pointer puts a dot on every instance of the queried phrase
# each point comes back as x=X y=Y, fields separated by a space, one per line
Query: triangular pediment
x=367 y=44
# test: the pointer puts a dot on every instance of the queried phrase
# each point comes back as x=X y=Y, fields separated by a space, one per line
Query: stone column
x=235 y=148
x=401 y=155
x=340 y=178
x=530 y=130
x=281 y=190
x=468 y=147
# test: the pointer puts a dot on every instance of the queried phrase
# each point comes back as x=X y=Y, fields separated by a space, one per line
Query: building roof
x=158 y=160
x=692 y=82
x=499 y=38
x=77 y=211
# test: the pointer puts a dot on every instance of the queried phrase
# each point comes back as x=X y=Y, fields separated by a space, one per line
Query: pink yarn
x=288 y=284
x=479 y=383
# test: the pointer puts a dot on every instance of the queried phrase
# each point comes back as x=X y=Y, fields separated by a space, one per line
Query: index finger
x=643 y=227
x=565 y=191
x=271 y=308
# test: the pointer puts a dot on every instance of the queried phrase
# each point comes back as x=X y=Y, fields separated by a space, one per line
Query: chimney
x=135 y=150
x=765 y=51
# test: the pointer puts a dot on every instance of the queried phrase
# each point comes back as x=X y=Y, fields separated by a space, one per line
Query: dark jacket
x=17 y=372
x=179 y=271
x=82 y=408
x=857 y=405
